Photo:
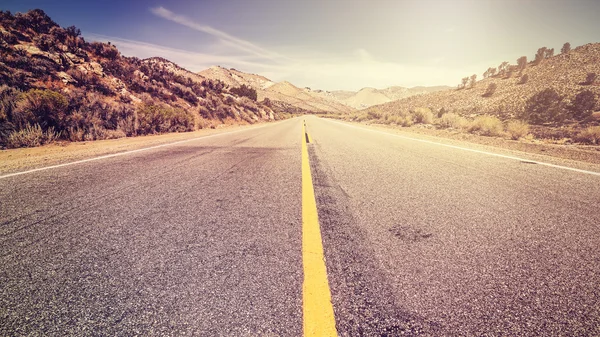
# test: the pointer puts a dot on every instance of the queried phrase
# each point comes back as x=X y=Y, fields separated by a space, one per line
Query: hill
x=368 y=97
x=566 y=73
x=56 y=85
x=282 y=95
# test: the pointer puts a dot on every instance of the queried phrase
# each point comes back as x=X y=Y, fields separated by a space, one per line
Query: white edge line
x=472 y=150
x=127 y=152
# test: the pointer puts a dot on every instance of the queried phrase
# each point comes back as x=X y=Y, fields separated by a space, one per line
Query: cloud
x=192 y=61
x=225 y=38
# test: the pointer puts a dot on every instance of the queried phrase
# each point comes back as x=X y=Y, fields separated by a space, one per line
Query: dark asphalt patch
x=410 y=233
x=361 y=296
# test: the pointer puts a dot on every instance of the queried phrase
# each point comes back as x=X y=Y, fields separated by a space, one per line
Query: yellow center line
x=316 y=297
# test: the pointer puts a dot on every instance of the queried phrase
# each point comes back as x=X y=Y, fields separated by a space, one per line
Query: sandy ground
x=16 y=160
x=576 y=152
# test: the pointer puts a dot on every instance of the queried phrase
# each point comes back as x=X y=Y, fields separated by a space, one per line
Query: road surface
x=205 y=238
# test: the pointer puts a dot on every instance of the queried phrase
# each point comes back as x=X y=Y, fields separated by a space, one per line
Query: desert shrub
x=522 y=63
x=441 y=112
x=452 y=120
x=374 y=114
x=486 y=126
x=157 y=119
x=583 y=105
x=524 y=79
x=244 y=91
x=44 y=107
x=490 y=90
x=517 y=129
x=566 y=48
x=589 y=135
x=405 y=121
x=30 y=136
x=545 y=106
x=248 y=103
x=422 y=115
x=590 y=78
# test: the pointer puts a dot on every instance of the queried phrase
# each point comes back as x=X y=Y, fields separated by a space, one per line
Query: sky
x=332 y=44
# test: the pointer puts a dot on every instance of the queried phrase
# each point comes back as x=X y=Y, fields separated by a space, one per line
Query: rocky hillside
x=367 y=97
x=283 y=95
x=566 y=73
x=56 y=85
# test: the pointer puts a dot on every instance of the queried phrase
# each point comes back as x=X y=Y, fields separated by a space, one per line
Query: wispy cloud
x=192 y=61
x=225 y=38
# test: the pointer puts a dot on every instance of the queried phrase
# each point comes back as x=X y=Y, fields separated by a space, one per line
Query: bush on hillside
x=452 y=120
x=44 y=107
x=524 y=79
x=491 y=89
x=245 y=91
x=30 y=136
x=486 y=126
x=422 y=115
x=590 y=78
x=590 y=135
x=517 y=129
x=583 y=105
x=543 y=107
x=566 y=48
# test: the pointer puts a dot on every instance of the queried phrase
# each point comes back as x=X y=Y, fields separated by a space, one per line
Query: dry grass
x=422 y=115
x=452 y=120
x=486 y=126
x=590 y=135
x=517 y=129
x=31 y=136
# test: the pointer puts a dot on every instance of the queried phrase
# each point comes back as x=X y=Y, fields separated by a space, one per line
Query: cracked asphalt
x=204 y=239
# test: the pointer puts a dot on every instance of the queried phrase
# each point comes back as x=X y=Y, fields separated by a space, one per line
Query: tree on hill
x=489 y=72
x=549 y=53
x=464 y=82
x=502 y=68
x=545 y=106
x=472 y=80
x=522 y=63
x=566 y=48
x=583 y=105
x=540 y=55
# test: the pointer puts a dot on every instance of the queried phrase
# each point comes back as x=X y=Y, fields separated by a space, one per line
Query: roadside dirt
x=16 y=160
x=586 y=154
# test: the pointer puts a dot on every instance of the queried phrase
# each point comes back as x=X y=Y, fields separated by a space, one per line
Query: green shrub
x=452 y=120
x=31 y=136
x=44 y=107
x=517 y=129
x=590 y=135
x=486 y=126
x=423 y=116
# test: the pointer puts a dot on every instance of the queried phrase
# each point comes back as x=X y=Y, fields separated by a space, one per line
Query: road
x=205 y=238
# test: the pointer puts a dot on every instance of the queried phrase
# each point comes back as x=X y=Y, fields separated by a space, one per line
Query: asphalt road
x=205 y=238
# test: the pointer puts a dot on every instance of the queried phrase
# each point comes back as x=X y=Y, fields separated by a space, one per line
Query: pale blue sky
x=333 y=44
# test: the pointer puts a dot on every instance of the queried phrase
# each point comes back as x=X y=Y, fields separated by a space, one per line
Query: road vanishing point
x=303 y=227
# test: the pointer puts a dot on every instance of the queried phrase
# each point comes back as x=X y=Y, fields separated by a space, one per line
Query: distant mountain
x=367 y=97
x=54 y=84
x=283 y=95
x=566 y=73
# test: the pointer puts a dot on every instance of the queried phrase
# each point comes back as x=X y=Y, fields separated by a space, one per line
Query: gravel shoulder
x=16 y=160
x=585 y=157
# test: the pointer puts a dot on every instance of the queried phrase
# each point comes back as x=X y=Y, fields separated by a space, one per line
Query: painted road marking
x=128 y=152
x=475 y=151
x=316 y=297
